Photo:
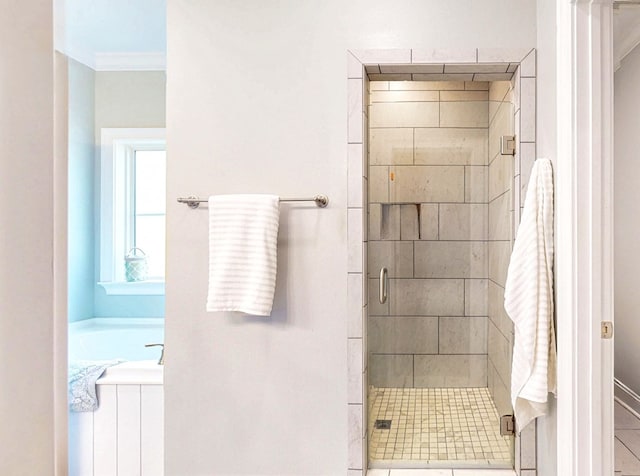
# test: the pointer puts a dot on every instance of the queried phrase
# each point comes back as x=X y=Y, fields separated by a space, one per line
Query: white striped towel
x=243 y=239
x=528 y=300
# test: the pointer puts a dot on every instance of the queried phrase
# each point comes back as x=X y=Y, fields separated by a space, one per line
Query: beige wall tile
x=500 y=393
x=415 y=184
x=391 y=370
x=528 y=65
x=463 y=335
x=354 y=175
x=450 y=371
x=427 y=86
x=499 y=354
x=428 y=221
x=426 y=297
x=393 y=146
x=444 y=77
x=409 y=223
x=450 y=259
x=476 y=68
x=355 y=111
x=528 y=109
x=404 y=96
x=396 y=256
x=355 y=303
x=476 y=184
x=375 y=221
x=498 y=90
x=464 y=114
x=500 y=175
x=500 y=218
x=378 y=184
x=475 y=297
x=464 y=95
x=354 y=370
x=375 y=308
x=495 y=305
x=502 y=124
x=403 y=335
x=465 y=221
x=354 y=459
x=476 y=85
x=390 y=222
x=378 y=85
x=528 y=447
x=439 y=146
x=527 y=158
x=499 y=255
x=404 y=114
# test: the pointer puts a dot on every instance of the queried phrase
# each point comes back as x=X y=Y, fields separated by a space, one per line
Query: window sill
x=151 y=287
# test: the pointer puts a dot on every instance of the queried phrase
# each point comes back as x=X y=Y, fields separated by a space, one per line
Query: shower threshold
x=452 y=428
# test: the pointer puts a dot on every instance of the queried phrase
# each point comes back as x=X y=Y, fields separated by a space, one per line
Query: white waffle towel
x=528 y=300
x=243 y=239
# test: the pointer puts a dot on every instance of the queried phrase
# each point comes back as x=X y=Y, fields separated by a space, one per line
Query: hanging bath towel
x=528 y=300
x=243 y=240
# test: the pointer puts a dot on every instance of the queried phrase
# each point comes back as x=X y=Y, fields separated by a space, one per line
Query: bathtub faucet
x=161 y=359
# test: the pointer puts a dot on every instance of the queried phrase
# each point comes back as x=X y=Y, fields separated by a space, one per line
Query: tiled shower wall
x=501 y=170
x=428 y=217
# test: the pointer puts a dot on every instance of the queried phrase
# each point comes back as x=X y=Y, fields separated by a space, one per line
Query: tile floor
x=437 y=426
x=627 y=431
x=441 y=472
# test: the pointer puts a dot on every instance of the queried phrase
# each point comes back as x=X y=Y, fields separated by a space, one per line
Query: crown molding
x=130 y=61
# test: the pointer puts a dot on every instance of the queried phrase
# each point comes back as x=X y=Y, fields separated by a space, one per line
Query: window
x=132 y=207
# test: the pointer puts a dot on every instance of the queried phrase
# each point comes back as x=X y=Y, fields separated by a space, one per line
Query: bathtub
x=105 y=338
x=125 y=435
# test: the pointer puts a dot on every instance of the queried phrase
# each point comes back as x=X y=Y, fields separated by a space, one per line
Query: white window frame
x=118 y=145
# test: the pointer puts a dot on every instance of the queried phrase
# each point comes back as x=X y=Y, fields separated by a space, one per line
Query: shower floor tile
x=437 y=426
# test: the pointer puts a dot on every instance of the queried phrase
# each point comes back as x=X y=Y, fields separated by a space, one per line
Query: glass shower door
x=439 y=240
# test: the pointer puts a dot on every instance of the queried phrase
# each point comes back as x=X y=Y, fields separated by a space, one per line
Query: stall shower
x=440 y=229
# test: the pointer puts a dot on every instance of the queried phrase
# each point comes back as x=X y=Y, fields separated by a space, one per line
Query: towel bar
x=321 y=200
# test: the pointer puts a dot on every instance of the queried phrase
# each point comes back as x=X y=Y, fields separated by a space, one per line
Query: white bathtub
x=125 y=436
x=105 y=338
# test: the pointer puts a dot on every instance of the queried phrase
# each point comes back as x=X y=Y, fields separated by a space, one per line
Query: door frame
x=585 y=236
x=360 y=63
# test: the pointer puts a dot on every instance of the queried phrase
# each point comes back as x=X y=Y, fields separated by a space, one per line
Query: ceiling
x=126 y=34
x=95 y=31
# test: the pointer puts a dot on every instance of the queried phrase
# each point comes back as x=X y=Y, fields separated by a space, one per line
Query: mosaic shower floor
x=437 y=426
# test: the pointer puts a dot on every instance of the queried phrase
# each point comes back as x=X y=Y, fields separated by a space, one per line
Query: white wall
x=546 y=127
x=627 y=226
x=257 y=103
x=27 y=243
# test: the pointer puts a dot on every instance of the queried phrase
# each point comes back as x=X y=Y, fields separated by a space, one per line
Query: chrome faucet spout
x=161 y=359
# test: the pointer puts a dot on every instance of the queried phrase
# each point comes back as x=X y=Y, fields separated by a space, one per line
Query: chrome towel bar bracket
x=321 y=200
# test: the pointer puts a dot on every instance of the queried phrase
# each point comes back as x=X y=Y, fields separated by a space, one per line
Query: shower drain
x=383 y=424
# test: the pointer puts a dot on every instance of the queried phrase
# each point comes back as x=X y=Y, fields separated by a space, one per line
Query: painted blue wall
x=81 y=191
x=96 y=100
x=127 y=306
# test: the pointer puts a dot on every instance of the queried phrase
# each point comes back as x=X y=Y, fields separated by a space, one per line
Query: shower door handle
x=384 y=286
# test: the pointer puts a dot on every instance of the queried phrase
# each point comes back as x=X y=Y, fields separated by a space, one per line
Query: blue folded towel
x=82 y=383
